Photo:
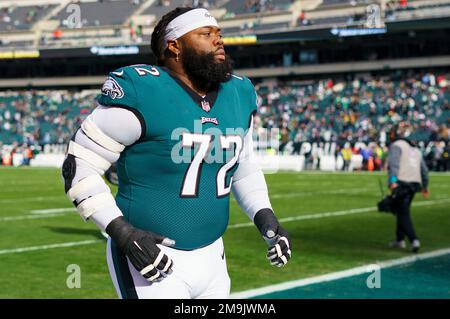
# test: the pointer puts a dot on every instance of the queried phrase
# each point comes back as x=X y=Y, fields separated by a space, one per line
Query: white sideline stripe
x=337 y=275
x=45 y=247
x=340 y=213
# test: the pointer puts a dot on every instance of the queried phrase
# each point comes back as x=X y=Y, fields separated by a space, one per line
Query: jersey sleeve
x=252 y=96
x=118 y=90
x=249 y=185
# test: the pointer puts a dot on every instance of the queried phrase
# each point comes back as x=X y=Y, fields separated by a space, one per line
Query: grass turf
x=320 y=245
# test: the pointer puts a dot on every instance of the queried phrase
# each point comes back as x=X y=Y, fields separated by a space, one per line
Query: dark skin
x=202 y=40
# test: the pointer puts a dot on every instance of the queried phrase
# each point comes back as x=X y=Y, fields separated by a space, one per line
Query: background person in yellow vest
x=408 y=174
x=347 y=156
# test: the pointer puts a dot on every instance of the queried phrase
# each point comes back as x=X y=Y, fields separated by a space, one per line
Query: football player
x=181 y=134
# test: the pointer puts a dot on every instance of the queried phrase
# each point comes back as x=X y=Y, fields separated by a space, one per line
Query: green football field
x=331 y=218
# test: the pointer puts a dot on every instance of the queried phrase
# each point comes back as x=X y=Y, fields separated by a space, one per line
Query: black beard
x=204 y=71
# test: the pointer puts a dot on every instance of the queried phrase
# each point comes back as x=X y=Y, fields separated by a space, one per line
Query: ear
x=174 y=47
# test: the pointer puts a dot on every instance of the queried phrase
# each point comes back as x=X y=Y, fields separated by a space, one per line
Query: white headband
x=187 y=22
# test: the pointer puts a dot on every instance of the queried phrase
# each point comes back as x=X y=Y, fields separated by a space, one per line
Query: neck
x=194 y=85
x=191 y=83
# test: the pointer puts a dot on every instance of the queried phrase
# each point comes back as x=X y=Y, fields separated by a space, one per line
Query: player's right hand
x=425 y=193
x=141 y=249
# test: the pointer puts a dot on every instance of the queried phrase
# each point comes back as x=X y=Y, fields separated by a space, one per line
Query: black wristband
x=119 y=230
x=265 y=219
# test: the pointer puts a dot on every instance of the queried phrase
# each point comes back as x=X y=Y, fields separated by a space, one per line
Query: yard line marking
x=340 y=213
x=287 y=219
x=13 y=218
x=54 y=210
x=28 y=199
x=45 y=247
x=431 y=202
x=337 y=275
x=336 y=191
x=40 y=213
x=354 y=173
x=326 y=173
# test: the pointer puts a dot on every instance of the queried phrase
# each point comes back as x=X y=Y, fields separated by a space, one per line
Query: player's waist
x=191 y=226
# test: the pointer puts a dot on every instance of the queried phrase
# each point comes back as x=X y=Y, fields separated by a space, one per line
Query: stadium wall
x=269 y=163
x=329 y=68
x=321 y=156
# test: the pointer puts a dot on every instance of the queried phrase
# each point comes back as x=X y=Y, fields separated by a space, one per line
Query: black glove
x=140 y=248
x=111 y=174
x=279 y=251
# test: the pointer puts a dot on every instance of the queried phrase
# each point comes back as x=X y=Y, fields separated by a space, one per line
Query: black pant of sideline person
x=401 y=207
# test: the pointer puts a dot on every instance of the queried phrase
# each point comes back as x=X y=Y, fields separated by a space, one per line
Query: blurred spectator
x=360 y=110
x=200 y=4
x=31 y=15
x=57 y=34
x=42 y=117
x=346 y=156
x=132 y=30
x=301 y=19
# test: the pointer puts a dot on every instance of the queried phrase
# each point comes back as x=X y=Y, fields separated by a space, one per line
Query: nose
x=218 y=41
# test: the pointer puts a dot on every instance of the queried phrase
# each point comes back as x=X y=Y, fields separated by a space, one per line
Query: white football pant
x=197 y=274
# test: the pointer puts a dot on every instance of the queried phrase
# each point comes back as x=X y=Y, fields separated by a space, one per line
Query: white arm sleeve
x=122 y=126
x=249 y=186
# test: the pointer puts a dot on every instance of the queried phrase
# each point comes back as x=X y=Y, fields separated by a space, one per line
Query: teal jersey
x=176 y=179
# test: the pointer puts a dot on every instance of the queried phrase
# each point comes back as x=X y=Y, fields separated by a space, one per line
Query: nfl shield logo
x=205 y=106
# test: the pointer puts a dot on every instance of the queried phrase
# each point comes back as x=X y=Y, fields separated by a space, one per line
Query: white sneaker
x=415 y=246
x=398 y=244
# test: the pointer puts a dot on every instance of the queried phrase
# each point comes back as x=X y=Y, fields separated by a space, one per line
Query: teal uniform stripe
x=124 y=278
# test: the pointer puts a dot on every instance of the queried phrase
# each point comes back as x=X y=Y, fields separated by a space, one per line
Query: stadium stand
x=325 y=110
x=22 y=17
x=119 y=22
x=238 y=7
x=360 y=110
x=254 y=26
x=102 y=13
x=158 y=8
x=346 y=112
x=352 y=12
x=42 y=117
x=345 y=2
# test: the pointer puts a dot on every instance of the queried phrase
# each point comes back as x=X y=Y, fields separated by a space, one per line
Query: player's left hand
x=279 y=251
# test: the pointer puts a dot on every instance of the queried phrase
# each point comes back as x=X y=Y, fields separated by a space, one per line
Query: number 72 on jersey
x=190 y=183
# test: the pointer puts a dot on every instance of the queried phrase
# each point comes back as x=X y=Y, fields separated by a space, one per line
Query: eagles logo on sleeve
x=112 y=88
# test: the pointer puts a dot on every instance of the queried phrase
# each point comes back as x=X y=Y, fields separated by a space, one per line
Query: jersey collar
x=205 y=103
